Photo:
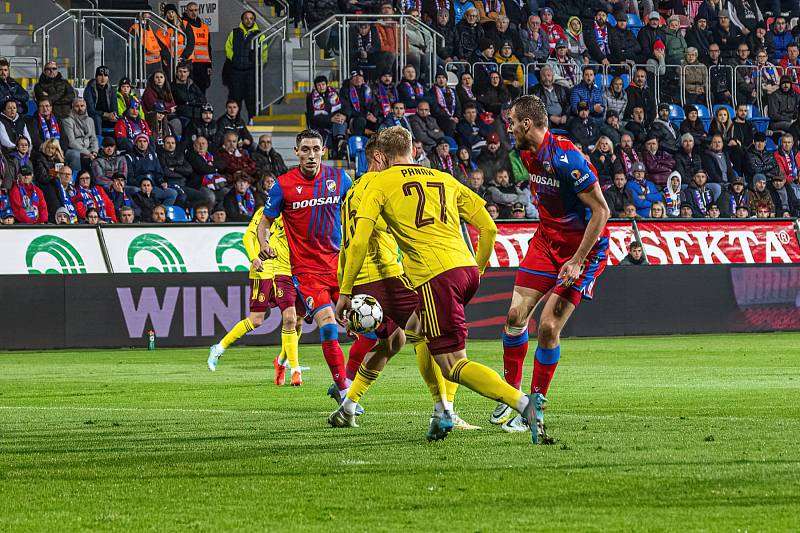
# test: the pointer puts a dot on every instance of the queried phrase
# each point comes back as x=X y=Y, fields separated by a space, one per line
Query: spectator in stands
x=267 y=159
x=785 y=199
x=233 y=160
x=126 y=97
x=365 y=45
x=204 y=127
x=689 y=157
x=101 y=100
x=640 y=95
x=464 y=164
x=12 y=127
x=120 y=198
x=410 y=91
x=717 y=163
x=10 y=89
x=743 y=132
x=733 y=198
x=695 y=77
x=158 y=90
x=759 y=195
x=201 y=215
x=189 y=97
x=782 y=107
x=575 y=41
x=53 y=87
x=642 y=192
x=637 y=127
x=81 y=136
x=483 y=64
x=582 y=128
x=758 y=160
x=459 y=9
x=240 y=55
x=764 y=211
x=88 y=196
x=143 y=163
x=471 y=130
x=493 y=210
x=651 y=33
x=699 y=36
x=596 y=37
x=232 y=121
x=788 y=160
x=658 y=210
x=745 y=74
x=441 y=158
x=565 y=68
x=126 y=215
x=145 y=199
x=44 y=125
x=588 y=92
x=767 y=75
x=160 y=127
x=722 y=125
x=510 y=69
x=674 y=41
x=622 y=42
x=179 y=176
x=489 y=11
x=745 y=15
x=384 y=95
x=626 y=155
x=59 y=192
x=757 y=39
x=535 y=44
x=494 y=95
x=713 y=210
x=20 y=157
x=720 y=77
x=743 y=211
x=635 y=255
x=468 y=34
x=130 y=126
x=710 y=10
x=726 y=35
x=698 y=195
x=611 y=127
x=778 y=39
x=324 y=112
x=500 y=33
x=262 y=187
x=356 y=98
x=686 y=210
x=159 y=215
x=443 y=24
x=420 y=157
x=603 y=159
x=614 y=97
x=694 y=126
x=503 y=193
x=218 y=215
x=791 y=65
x=207 y=173
x=108 y=163
x=629 y=211
x=493 y=157
x=617 y=194
x=424 y=127
x=659 y=163
x=444 y=105
x=201 y=36
x=673 y=195
x=240 y=202
x=555 y=97
x=62 y=217
x=664 y=131
x=397 y=118
x=27 y=200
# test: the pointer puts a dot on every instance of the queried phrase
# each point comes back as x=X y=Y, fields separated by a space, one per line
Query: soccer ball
x=365 y=314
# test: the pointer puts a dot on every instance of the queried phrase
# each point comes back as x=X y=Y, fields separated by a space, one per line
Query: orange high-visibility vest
x=201 y=52
x=166 y=36
x=152 y=50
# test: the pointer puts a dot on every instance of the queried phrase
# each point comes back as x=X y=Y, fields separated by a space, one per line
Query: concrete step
x=15 y=39
x=10 y=18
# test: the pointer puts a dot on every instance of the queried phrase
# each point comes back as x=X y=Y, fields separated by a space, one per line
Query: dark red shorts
x=261 y=295
x=398 y=301
x=442 y=301
x=317 y=290
x=285 y=294
x=539 y=270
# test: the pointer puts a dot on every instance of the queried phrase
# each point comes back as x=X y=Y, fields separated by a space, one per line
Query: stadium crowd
x=666 y=101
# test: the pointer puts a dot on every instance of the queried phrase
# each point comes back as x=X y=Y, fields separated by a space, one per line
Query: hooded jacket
x=58 y=91
x=672 y=195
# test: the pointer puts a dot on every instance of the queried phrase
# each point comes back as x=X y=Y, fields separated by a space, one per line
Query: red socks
x=514 y=350
x=335 y=359
x=544 y=366
x=358 y=350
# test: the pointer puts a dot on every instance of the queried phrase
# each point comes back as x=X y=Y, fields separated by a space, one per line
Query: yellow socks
x=429 y=371
x=364 y=379
x=290 y=341
x=238 y=331
x=485 y=382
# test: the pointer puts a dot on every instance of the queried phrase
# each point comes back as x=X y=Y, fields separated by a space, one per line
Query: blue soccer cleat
x=214 y=354
x=441 y=425
x=534 y=416
x=333 y=392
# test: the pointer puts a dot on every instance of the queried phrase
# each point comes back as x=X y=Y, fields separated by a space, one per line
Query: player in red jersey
x=565 y=256
x=310 y=196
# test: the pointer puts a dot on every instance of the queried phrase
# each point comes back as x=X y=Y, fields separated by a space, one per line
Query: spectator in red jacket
x=235 y=160
x=788 y=159
x=27 y=200
x=129 y=127
x=88 y=196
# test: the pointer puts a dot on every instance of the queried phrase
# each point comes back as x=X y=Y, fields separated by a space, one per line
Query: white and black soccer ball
x=365 y=314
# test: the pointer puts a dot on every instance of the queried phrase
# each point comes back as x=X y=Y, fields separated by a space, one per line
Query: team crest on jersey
x=280 y=293
x=299 y=189
x=547 y=166
x=310 y=302
x=331 y=184
x=261 y=297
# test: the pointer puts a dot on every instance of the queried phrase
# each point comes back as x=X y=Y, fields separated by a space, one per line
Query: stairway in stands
x=18 y=20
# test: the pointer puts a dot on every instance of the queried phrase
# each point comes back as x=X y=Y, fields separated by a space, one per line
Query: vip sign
x=208 y=11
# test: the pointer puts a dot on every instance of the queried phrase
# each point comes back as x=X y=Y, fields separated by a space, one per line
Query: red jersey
x=311 y=211
x=558 y=172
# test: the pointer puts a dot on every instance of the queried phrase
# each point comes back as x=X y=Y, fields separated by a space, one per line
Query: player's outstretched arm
x=487 y=229
x=594 y=200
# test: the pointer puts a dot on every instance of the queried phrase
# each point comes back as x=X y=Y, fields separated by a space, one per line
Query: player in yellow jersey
x=382 y=277
x=422 y=208
x=270 y=286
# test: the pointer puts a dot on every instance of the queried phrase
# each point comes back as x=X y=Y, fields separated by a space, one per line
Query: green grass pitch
x=659 y=434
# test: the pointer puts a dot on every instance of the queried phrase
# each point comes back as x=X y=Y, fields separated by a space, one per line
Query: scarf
x=386 y=100
x=212 y=181
x=5 y=205
x=446 y=164
x=468 y=92
x=790 y=163
x=65 y=199
x=628 y=161
x=318 y=101
x=91 y=197
x=493 y=8
x=365 y=41
x=413 y=88
x=132 y=127
x=408 y=5
x=443 y=5
x=392 y=120
x=246 y=203
x=467 y=166
x=24 y=160
x=446 y=99
x=125 y=199
x=601 y=36
x=30 y=201
x=356 y=101
x=702 y=199
x=735 y=202
x=49 y=127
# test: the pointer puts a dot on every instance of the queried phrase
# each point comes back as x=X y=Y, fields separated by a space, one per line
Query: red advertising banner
x=512 y=242
x=674 y=242
x=707 y=242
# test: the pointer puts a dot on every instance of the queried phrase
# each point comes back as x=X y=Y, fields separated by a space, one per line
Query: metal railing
x=270 y=66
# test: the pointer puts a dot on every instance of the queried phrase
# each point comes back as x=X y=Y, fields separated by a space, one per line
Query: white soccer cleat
x=501 y=413
x=460 y=423
x=214 y=354
x=515 y=424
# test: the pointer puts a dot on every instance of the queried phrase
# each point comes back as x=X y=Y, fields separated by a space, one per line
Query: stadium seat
x=703 y=114
x=605 y=80
x=532 y=79
x=453 y=144
x=676 y=115
x=612 y=21
x=355 y=152
x=177 y=214
x=626 y=80
x=32 y=107
x=760 y=122
x=771 y=146
x=634 y=23
x=452 y=79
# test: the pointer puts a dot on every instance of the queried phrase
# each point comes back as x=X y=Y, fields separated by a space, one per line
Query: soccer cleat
x=501 y=413
x=296 y=379
x=214 y=354
x=534 y=416
x=515 y=424
x=460 y=423
x=280 y=372
x=359 y=410
x=340 y=419
x=333 y=392
x=441 y=425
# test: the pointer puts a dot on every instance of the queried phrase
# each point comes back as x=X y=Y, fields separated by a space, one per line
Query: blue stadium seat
x=355 y=152
x=605 y=80
x=760 y=122
x=532 y=79
x=177 y=214
x=704 y=115
x=626 y=80
x=771 y=146
x=635 y=23
x=612 y=20
x=676 y=115
x=32 y=107
x=453 y=144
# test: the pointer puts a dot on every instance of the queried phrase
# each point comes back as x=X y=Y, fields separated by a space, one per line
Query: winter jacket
x=490 y=163
x=448 y=33
x=710 y=12
x=493 y=98
x=659 y=166
x=763 y=197
x=695 y=76
x=198 y=128
x=271 y=161
x=729 y=202
x=714 y=171
x=177 y=171
x=676 y=46
x=624 y=46
x=697 y=129
x=643 y=194
x=791 y=203
x=467 y=38
x=58 y=91
x=667 y=135
x=510 y=69
x=536 y=45
x=28 y=204
x=512 y=36
x=720 y=79
x=791 y=171
x=142 y=165
x=473 y=136
x=647 y=38
x=505 y=197
x=44 y=169
x=233 y=163
x=615 y=102
x=9 y=88
x=604 y=167
x=104 y=167
x=777 y=44
x=585 y=133
x=54 y=199
x=700 y=39
x=644 y=98
x=99 y=100
x=124 y=103
x=561 y=95
x=426 y=130
x=226 y=124
x=189 y=98
x=107 y=213
x=616 y=200
x=760 y=163
x=146 y=204
x=38 y=136
x=201 y=167
x=80 y=133
x=316 y=11
x=596 y=54
x=699 y=199
x=150 y=97
x=728 y=41
x=783 y=106
x=688 y=164
x=12 y=129
x=124 y=137
x=591 y=95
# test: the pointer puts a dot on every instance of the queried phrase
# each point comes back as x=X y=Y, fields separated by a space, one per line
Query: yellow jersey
x=272 y=267
x=382 y=260
x=423 y=208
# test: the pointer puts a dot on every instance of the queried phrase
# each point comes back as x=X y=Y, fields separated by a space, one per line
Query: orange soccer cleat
x=280 y=372
x=297 y=379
